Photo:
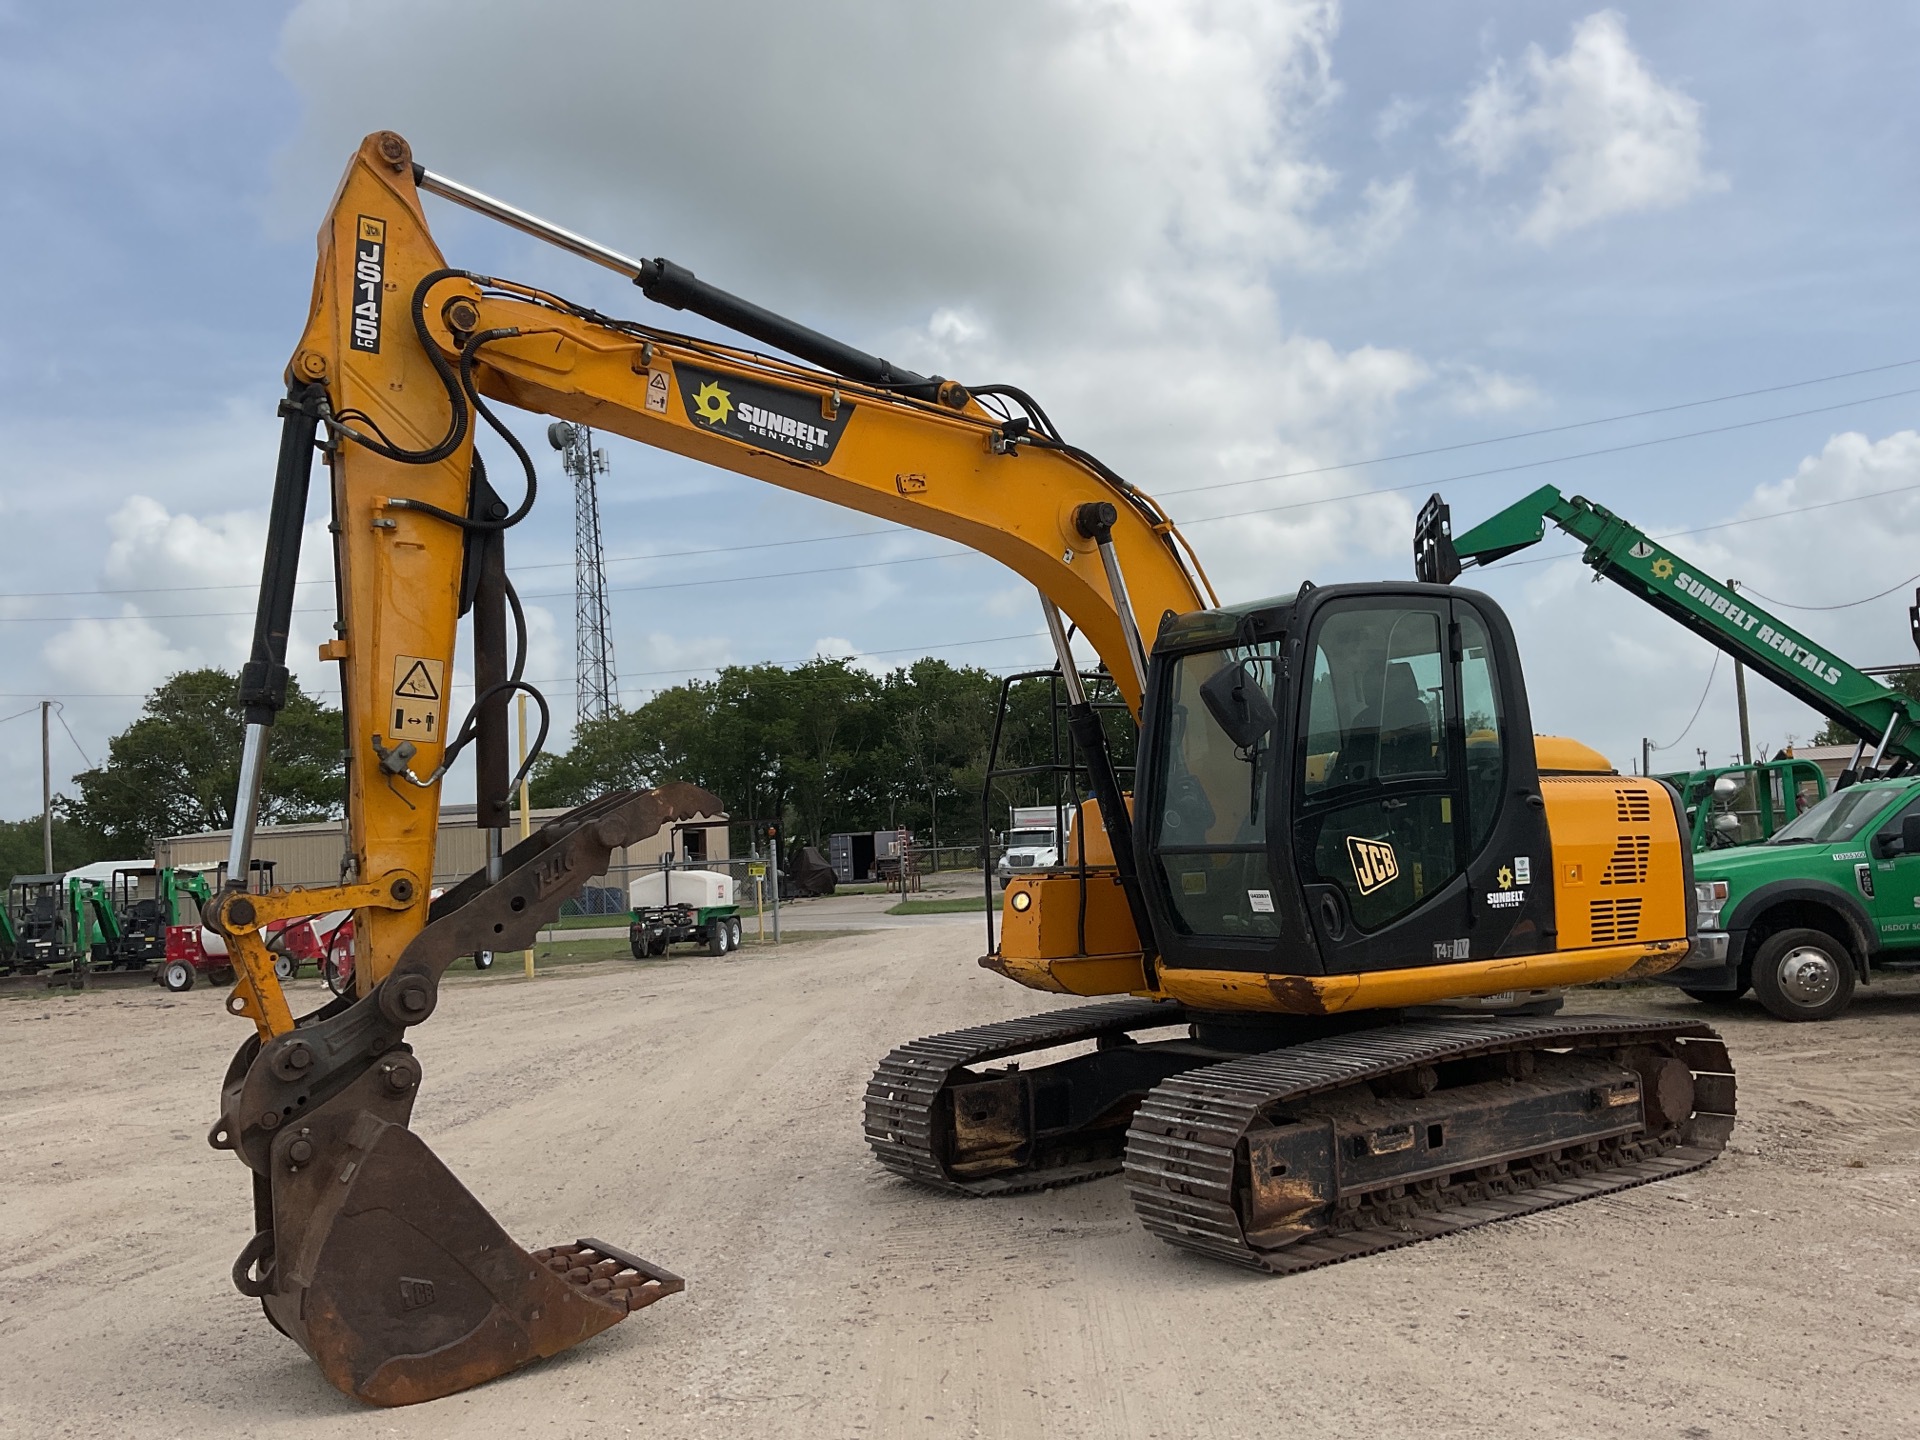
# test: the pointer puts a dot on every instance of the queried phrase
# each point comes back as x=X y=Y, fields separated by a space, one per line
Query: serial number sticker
x=1260 y=901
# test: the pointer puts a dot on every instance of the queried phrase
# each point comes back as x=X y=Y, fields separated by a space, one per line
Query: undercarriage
x=1297 y=1144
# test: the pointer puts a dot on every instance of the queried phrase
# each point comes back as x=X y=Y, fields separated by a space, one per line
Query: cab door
x=1419 y=835
x=1889 y=879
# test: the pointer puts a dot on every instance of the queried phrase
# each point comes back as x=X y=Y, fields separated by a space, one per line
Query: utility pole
x=1740 y=698
x=597 y=695
x=1646 y=755
x=46 y=785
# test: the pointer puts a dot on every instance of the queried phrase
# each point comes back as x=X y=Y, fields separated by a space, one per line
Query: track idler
x=367 y=1251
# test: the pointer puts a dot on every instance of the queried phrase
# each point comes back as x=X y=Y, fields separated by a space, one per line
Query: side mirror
x=1730 y=824
x=1726 y=787
x=1233 y=696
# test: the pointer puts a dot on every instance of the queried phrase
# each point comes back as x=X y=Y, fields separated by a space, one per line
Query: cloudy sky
x=1289 y=266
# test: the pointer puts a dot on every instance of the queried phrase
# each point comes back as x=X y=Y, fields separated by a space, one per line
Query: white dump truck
x=674 y=906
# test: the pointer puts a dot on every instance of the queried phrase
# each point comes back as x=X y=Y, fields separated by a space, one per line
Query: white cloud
x=1616 y=140
x=1472 y=390
x=1108 y=211
x=126 y=652
x=192 y=580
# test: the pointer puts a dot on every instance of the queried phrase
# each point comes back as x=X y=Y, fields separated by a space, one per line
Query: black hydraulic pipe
x=263 y=679
x=678 y=288
x=487 y=558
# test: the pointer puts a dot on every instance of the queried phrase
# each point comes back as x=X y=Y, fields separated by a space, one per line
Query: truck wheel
x=1803 y=974
x=657 y=946
x=716 y=937
x=285 y=966
x=640 y=947
x=733 y=933
x=177 y=976
x=483 y=959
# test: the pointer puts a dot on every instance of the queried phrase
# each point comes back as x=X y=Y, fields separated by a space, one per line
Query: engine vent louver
x=1629 y=863
x=1632 y=807
x=1614 y=922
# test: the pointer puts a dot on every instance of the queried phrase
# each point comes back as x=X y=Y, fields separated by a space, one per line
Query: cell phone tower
x=595 y=690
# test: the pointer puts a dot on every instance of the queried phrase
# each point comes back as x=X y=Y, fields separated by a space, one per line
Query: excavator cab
x=1335 y=782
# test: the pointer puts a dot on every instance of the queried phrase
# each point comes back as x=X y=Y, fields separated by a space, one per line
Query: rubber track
x=905 y=1089
x=1182 y=1146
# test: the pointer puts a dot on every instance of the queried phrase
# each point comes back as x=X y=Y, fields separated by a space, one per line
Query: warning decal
x=657 y=392
x=417 y=688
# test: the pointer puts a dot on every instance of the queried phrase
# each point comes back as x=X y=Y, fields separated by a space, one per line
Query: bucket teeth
x=610 y=1275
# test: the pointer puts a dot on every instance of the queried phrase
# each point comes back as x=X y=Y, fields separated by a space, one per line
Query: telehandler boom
x=1341 y=823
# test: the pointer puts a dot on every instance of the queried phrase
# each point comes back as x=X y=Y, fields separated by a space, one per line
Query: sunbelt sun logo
x=793 y=424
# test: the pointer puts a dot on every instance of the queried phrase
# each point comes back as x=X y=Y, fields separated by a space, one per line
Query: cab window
x=1215 y=770
x=1376 y=775
x=1481 y=707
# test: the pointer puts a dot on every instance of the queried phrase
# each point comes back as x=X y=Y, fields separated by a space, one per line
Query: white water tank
x=701 y=889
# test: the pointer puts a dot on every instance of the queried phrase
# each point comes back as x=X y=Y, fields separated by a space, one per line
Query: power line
x=530 y=595
x=1522 y=465
x=679 y=552
x=1712 y=671
x=964 y=554
x=1559 y=429
x=552 y=686
x=59 y=713
x=1877 y=595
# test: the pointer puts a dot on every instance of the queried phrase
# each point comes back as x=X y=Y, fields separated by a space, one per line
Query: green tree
x=23 y=852
x=823 y=746
x=176 y=769
x=1907 y=682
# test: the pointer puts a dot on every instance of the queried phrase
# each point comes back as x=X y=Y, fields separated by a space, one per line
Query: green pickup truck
x=1805 y=916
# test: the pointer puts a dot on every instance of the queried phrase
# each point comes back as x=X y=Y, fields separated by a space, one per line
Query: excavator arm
x=367 y=1250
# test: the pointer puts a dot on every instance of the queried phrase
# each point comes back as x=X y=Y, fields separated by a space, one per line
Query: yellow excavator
x=1332 y=910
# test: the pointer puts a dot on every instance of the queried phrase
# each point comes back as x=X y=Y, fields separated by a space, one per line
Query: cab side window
x=1888 y=841
x=1481 y=708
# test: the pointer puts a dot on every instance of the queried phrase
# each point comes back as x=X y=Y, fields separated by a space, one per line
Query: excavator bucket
x=406 y=1289
x=368 y=1251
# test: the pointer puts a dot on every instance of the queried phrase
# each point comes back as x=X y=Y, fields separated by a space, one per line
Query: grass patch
x=958 y=905
x=592 y=922
x=552 y=954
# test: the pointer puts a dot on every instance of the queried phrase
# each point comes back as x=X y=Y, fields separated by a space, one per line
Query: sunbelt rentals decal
x=787 y=422
x=1705 y=592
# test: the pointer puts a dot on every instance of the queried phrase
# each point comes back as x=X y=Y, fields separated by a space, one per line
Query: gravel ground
x=705 y=1113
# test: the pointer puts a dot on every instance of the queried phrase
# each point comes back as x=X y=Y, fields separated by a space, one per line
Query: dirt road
x=705 y=1113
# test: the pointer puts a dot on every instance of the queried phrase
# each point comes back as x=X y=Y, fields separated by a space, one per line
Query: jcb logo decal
x=369 y=284
x=1374 y=863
